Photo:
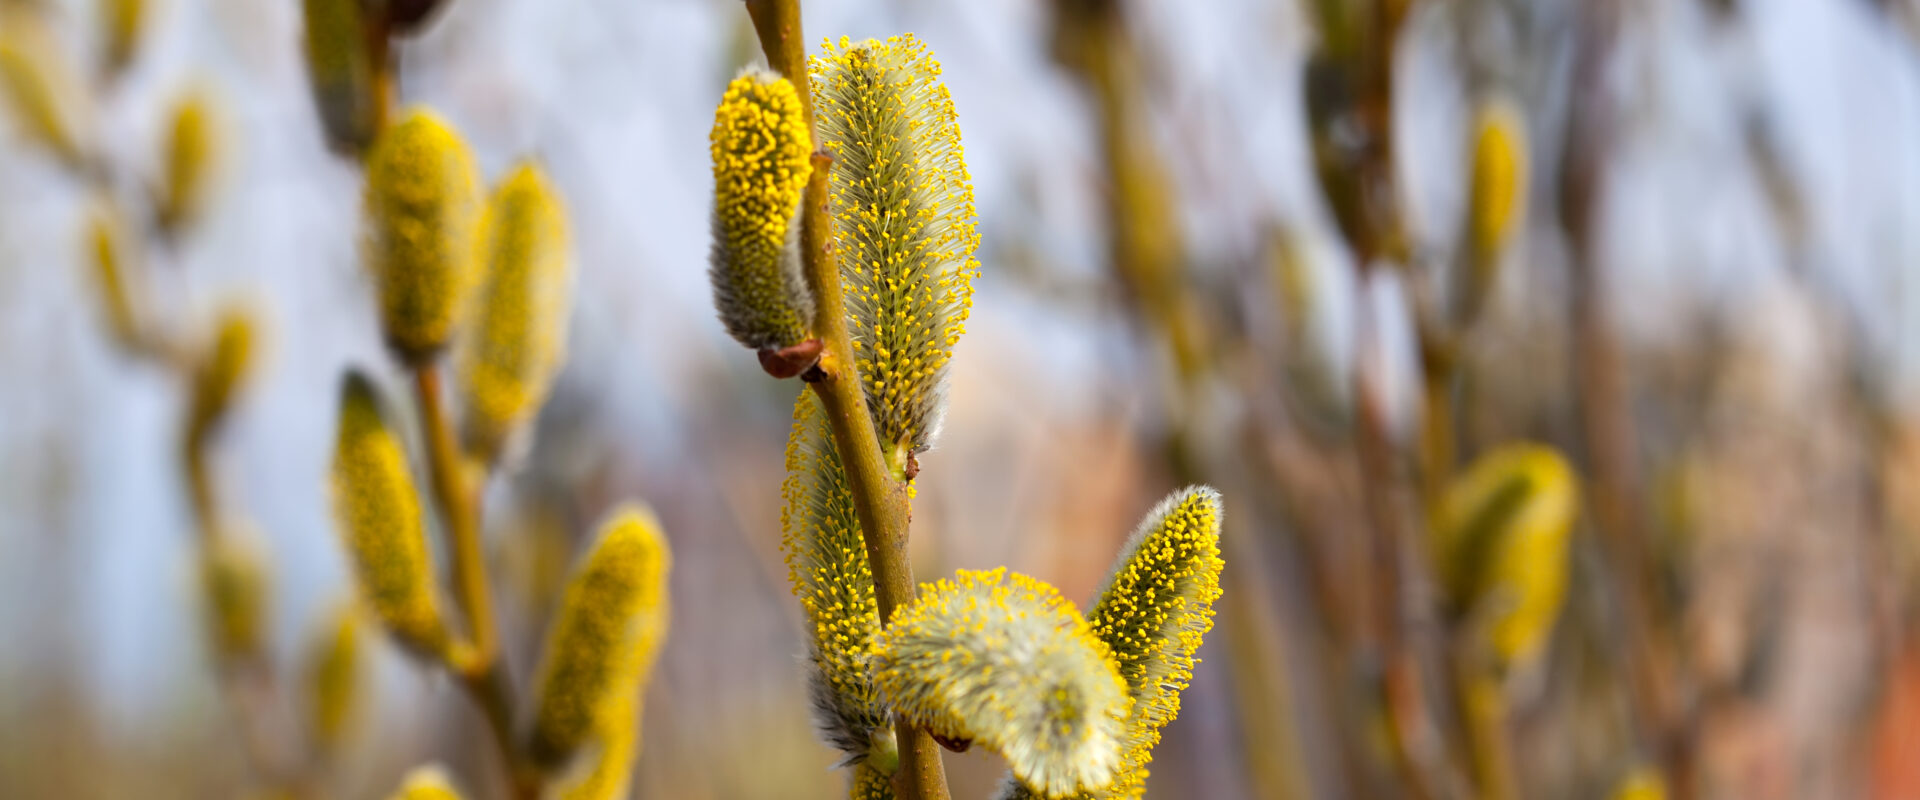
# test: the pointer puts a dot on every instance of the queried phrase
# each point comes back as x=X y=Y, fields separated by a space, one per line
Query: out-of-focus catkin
x=39 y=83
x=426 y=783
x=1641 y=783
x=342 y=70
x=108 y=252
x=221 y=369
x=335 y=679
x=378 y=510
x=827 y=562
x=192 y=150
x=517 y=343
x=121 y=22
x=1005 y=662
x=1497 y=197
x=604 y=638
x=904 y=225
x=422 y=214
x=1501 y=539
x=234 y=581
x=761 y=148
x=603 y=774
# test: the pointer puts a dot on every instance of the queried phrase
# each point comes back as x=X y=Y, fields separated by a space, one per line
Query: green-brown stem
x=880 y=501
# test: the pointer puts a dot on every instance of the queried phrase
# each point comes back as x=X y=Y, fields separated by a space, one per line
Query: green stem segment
x=880 y=500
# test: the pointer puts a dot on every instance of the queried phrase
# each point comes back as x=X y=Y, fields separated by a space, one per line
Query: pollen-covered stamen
x=904 y=225
x=761 y=160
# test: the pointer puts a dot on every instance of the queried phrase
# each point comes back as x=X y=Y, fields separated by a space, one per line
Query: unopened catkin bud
x=605 y=636
x=761 y=148
x=40 y=86
x=378 y=510
x=426 y=783
x=343 y=70
x=1502 y=533
x=335 y=679
x=233 y=579
x=517 y=342
x=191 y=151
x=422 y=217
x=108 y=253
x=905 y=225
x=222 y=368
x=1497 y=198
x=1005 y=662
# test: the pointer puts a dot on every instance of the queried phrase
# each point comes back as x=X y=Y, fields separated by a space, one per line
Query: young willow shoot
x=1005 y=661
x=379 y=513
x=602 y=647
x=1155 y=607
x=904 y=228
x=422 y=209
x=761 y=149
x=827 y=561
x=517 y=344
x=1501 y=537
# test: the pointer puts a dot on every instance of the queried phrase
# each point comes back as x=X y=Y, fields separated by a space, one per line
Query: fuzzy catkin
x=1003 y=661
x=1501 y=538
x=189 y=161
x=341 y=72
x=334 y=678
x=904 y=225
x=870 y=784
x=422 y=214
x=605 y=636
x=121 y=23
x=615 y=744
x=761 y=148
x=517 y=342
x=106 y=243
x=222 y=369
x=827 y=563
x=1499 y=181
x=378 y=509
x=40 y=85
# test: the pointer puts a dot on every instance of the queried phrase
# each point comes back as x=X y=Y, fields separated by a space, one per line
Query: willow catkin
x=106 y=244
x=761 y=148
x=869 y=783
x=517 y=342
x=378 y=510
x=426 y=783
x=1496 y=197
x=603 y=774
x=192 y=148
x=422 y=214
x=1640 y=783
x=904 y=225
x=1005 y=662
x=39 y=85
x=234 y=581
x=605 y=636
x=121 y=22
x=342 y=73
x=222 y=368
x=335 y=678
x=827 y=562
x=1501 y=537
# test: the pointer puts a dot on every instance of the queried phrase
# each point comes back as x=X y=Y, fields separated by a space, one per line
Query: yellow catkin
x=870 y=784
x=422 y=217
x=517 y=343
x=1501 y=536
x=905 y=227
x=222 y=368
x=1005 y=662
x=761 y=148
x=605 y=636
x=827 y=562
x=605 y=775
x=335 y=679
x=426 y=783
x=1642 y=783
x=39 y=85
x=1499 y=176
x=378 y=510
x=233 y=578
x=106 y=243
x=189 y=161
x=341 y=71
x=121 y=22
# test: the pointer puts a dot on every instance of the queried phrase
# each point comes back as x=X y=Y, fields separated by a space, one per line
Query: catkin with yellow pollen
x=334 y=679
x=827 y=562
x=761 y=149
x=605 y=637
x=904 y=226
x=517 y=342
x=425 y=783
x=1496 y=197
x=870 y=784
x=222 y=369
x=121 y=22
x=422 y=216
x=189 y=161
x=378 y=509
x=603 y=774
x=1005 y=662
x=40 y=85
x=341 y=71
x=234 y=581
x=1501 y=537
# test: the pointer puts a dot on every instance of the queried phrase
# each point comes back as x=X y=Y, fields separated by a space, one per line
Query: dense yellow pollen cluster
x=1501 y=538
x=604 y=638
x=827 y=562
x=378 y=510
x=761 y=160
x=1007 y=663
x=422 y=213
x=870 y=784
x=516 y=346
x=904 y=224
